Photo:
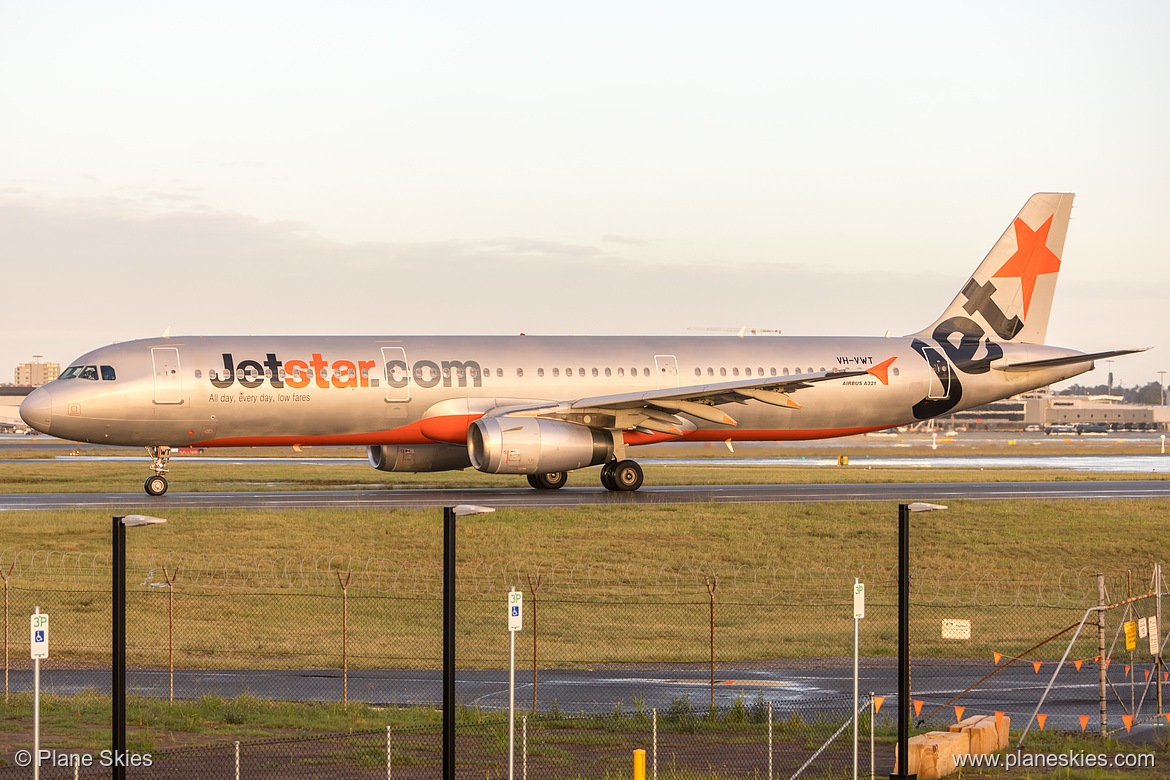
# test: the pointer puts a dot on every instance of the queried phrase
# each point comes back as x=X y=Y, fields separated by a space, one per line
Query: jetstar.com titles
x=324 y=374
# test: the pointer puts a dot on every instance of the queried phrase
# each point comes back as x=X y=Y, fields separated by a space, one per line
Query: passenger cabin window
x=607 y=372
x=698 y=372
x=580 y=372
x=621 y=372
x=108 y=373
x=540 y=372
x=556 y=372
x=519 y=372
x=595 y=372
x=735 y=372
x=499 y=372
x=723 y=372
x=645 y=372
x=710 y=371
x=895 y=370
x=747 y=371
x=198 y=373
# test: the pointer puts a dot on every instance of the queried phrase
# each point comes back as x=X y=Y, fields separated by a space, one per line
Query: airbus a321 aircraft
x=545 y=405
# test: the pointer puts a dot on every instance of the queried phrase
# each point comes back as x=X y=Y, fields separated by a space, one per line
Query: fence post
x=1101 y=648
x=1158 y=613
x=344 y=636
x=237 y=759
x=170 y=578
x=769 y=740
x=6 y=578
x=872 y=725
x=711 y=586
x=387 y=753
x=654 y=743
x=524 y=747
x=535 y=589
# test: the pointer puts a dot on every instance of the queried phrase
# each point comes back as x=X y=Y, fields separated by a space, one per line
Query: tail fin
x=1010 y=293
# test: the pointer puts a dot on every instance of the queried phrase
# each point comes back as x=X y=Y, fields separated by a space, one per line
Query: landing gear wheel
x=155 y=485
x=627 y=476
x=607 y=475
x=550 y=481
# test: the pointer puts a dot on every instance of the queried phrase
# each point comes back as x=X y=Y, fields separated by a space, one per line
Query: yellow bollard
x=639 y=765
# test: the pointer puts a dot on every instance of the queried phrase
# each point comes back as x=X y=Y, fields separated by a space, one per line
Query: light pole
x=449 y=515
x=904 y=511
x=121 y=523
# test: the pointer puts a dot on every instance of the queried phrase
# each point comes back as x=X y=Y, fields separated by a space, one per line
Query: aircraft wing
x=657 y=410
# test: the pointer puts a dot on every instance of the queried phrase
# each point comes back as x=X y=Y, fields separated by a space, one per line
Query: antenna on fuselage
x=167 y=333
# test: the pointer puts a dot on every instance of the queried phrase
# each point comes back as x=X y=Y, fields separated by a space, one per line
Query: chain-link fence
x=757 y=741
x=595 y=638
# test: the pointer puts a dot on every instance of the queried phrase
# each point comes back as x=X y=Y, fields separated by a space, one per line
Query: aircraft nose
x=37 y=410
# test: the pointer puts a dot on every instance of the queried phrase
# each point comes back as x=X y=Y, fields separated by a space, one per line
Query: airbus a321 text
x=546 y=405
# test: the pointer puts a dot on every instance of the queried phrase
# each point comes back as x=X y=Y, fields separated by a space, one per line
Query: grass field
x=619 y=584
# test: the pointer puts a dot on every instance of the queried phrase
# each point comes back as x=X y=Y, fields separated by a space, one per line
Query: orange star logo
x=1032 y=258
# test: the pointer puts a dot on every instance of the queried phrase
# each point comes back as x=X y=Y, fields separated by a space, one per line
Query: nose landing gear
x=160 y=456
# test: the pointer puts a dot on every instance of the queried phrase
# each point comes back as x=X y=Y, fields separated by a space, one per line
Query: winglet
x=882 y=370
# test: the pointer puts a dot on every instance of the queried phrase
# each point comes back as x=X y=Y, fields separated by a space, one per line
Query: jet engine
x=418 y=457
x=526 y=445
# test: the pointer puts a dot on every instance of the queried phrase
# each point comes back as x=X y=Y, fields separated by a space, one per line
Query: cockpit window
x=71 y=372
x=89 y=372
x=108 y=373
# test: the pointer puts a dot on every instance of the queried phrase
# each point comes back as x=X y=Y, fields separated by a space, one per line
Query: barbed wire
x=586 y=580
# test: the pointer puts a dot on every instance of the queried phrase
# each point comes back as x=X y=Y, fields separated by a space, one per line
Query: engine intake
x=418 y=457
x=526 y=445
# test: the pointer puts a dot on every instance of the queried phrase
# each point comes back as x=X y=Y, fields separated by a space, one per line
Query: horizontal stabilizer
x=1036 y=365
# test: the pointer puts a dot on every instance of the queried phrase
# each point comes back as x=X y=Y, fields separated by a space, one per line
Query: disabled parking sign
x=39 y=636
x=515 y=610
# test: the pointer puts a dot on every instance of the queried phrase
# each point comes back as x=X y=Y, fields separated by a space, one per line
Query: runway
x=391 y=498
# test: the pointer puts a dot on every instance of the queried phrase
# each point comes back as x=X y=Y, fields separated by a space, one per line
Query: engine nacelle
x=418 y=457
x=526 y=445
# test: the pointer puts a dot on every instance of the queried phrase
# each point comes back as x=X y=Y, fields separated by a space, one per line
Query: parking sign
x=39 y=636
x=515 y=610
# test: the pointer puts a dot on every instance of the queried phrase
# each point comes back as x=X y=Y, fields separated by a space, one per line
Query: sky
x=606 y=167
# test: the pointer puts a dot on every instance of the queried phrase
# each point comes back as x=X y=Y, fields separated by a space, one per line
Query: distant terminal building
x=37 y=373
x=1043 y=409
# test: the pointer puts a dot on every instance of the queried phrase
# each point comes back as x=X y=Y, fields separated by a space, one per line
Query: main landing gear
x=160 y=456
x=550 y=481
x=617 y=475
x=621 y=475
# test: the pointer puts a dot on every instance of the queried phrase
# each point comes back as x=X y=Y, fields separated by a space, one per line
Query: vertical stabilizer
x=1010 y=295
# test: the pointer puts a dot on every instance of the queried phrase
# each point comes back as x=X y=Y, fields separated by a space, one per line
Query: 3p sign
x=39 y=636
x=515 y=610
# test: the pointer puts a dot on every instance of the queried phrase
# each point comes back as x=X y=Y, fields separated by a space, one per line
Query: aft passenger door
x=168 y=381
x=940 y=374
